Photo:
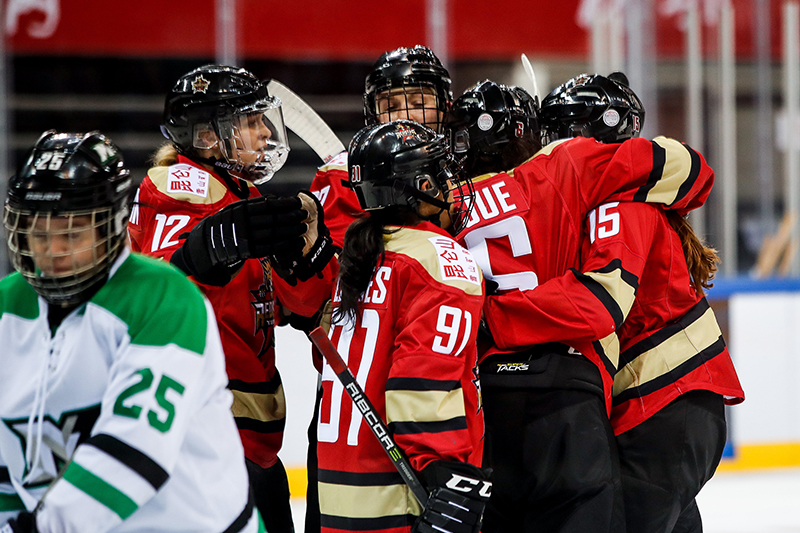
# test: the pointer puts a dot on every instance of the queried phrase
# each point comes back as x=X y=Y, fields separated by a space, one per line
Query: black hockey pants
x=270 y=488
x=666 y=460
x=551 y=448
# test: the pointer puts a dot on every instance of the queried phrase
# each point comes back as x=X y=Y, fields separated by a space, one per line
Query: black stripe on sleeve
x=601 y=294
x=673 y=375
x=694 y=172
x=358 y=479
x=263 y=387
x=647 y=344
x=609 y=366
x=659 y=159
x=366 y=524
x=628 y=277
x=259 y=426
x=440 y=426
x=422 y=384
x=134 y=459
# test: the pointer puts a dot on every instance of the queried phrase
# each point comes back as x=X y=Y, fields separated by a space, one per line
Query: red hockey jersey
x=169 y=203
x=412 y=349
x=526 y=225
x=670 y=341
x=340 y=203
x=635 y=287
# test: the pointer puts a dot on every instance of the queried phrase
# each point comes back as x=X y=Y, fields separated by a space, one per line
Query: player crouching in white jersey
x=115 y=415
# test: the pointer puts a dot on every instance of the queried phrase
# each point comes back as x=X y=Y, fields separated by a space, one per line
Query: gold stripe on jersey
x=333 y=166
x=216 y=189
x=367 y=501
x=261 y=407
x=677 y=169
x=484 y=177
x=424 y=406
x=620 y=291
x=414 y=243
x=669 y=354
x=610 y=345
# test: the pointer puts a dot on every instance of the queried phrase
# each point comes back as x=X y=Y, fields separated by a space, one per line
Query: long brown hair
x=701 y=259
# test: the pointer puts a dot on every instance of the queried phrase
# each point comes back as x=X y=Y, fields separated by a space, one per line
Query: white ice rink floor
x=732 y=502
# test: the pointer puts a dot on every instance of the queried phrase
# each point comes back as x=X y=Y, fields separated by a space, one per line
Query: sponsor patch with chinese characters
x=188 y=179
x=455 y=262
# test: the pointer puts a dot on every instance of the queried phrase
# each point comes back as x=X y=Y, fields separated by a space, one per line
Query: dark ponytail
x=363 y=253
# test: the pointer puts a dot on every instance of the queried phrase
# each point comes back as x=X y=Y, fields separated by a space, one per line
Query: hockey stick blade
x=306 y=123
x=526 y=65
x=374 y=421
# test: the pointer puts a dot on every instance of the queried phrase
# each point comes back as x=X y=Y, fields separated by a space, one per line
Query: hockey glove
x=25 y=522
x=257 y=227
x=459 y=493
x=317 y=251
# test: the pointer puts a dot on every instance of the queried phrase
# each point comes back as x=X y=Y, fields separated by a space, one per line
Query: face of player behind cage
x=411 y=103
x=65 y=245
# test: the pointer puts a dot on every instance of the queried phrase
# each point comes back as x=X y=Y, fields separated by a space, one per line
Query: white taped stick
x=306 y=123
x=526 y=64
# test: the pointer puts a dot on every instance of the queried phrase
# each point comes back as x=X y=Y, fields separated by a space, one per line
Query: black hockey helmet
x=591 y=105
x=407 y=70
x=390 y=164
x=487 y=116
x=71 y=184
x=229 y=109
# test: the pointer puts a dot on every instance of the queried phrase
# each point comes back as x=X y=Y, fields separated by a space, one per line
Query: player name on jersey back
x=495 y=195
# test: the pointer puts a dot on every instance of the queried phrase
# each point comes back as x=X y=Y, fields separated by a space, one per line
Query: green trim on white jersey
x=156 y=282
x=17 y=297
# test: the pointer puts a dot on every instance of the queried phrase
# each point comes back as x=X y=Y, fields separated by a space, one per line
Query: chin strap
x=416 y=196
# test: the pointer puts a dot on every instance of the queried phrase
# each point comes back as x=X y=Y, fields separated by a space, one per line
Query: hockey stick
x=526 y=65
x=376 y=424
x=306 y=123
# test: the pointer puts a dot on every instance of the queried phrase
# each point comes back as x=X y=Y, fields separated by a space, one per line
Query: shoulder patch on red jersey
x=441 y=257
x=187 y=183
x=183 y=178
x=455 y=261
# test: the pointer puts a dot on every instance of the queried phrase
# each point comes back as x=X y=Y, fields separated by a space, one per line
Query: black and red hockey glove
x=458 y=494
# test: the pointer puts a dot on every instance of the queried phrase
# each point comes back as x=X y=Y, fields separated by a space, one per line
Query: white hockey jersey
x=119 y=419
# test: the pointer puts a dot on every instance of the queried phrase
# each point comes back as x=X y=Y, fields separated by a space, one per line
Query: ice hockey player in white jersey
x=115 y=416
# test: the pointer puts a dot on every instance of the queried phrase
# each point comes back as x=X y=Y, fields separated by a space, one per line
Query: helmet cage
x=63 y=261
x=406 y=79
x=73 y=186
